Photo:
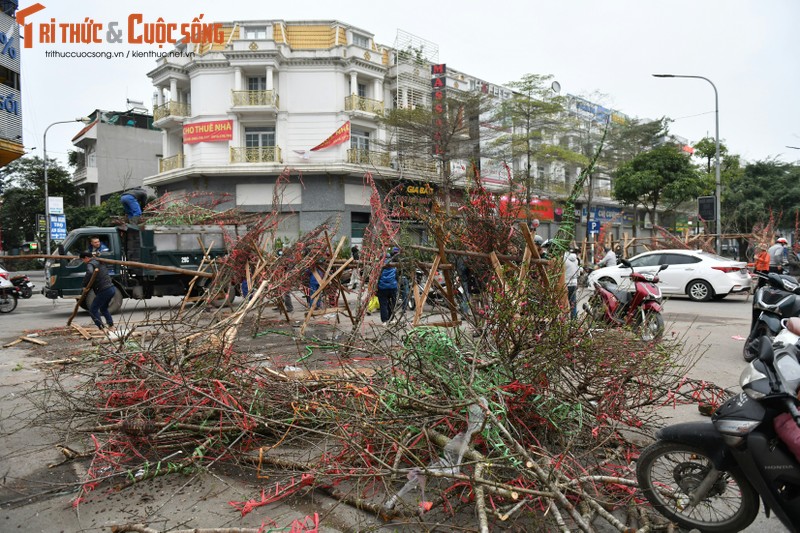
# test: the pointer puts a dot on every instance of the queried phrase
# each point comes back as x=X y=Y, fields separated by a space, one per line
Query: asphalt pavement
x=716 y=328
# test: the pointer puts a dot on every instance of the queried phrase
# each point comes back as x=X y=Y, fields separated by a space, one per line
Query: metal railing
x=175 y=109
x=253 y=98
x=418 y=165
x=367 y=157
x=261 y=154
x=165 y=164
x=359 y=103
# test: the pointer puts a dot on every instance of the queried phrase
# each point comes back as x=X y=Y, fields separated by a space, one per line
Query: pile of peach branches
x=519 y=418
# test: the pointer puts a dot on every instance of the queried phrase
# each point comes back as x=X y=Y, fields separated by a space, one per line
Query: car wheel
x=699 y=291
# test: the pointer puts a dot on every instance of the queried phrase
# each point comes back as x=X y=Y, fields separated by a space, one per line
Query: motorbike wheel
x=669 y=472
x=26 y=292
x=594 y=306
x=651 y=327
x=750 y=350
x=8 y=302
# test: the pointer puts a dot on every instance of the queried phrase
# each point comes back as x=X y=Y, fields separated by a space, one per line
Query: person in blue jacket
x=387 y=289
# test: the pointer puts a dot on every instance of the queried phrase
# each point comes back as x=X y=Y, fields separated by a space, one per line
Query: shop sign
x=214 y=131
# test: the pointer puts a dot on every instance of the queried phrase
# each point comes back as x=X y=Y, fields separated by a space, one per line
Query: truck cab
x=178 y=247
x=64 y=277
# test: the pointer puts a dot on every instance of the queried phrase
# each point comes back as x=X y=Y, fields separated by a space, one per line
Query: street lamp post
x=718 y=181
x=85 y=120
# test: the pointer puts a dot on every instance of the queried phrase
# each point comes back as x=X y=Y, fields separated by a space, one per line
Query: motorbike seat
x=623 y=297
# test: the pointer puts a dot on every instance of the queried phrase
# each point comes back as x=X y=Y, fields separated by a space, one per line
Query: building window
x=259 y=137
x=361 y=40
x=255 y=32
x=359 y=140
x=362 y=90
x=257 y=83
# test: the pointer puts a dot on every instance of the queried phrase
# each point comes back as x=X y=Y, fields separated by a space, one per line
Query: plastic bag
x=373 y=305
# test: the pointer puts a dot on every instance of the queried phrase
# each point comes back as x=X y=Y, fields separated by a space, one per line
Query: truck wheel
x=113 y=306
x=87 y=302
x=116 y=302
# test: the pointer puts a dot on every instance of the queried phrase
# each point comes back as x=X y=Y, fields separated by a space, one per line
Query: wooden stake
x=83 y=297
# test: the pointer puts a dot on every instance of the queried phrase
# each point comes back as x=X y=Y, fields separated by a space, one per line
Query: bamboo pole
x=134 y=264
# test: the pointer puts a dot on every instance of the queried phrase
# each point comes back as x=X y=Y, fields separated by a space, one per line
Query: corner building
x=234 y=115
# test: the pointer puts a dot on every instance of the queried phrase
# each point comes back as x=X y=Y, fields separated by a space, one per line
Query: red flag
x=339 y=136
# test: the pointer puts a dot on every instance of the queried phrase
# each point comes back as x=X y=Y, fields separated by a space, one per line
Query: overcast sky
x=602 y=49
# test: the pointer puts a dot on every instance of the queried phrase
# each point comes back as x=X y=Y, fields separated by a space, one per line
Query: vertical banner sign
x=56 y=205
x=41 y=224
x=58 y=227
x=439 y=107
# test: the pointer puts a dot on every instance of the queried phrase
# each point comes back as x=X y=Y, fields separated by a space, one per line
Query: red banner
x=540 y=208
x=203 y=132
x=339 y=136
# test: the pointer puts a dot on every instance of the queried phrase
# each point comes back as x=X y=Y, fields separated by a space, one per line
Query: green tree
x=531 y=121
x=662 y=177
x=761 y=189
x=22 y=186
x=706 y=149
x=413 y=133
x=627 y=140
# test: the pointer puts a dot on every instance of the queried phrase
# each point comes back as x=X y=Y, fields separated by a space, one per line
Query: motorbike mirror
x=662 y=267
x=765 y=352
x=625 y=263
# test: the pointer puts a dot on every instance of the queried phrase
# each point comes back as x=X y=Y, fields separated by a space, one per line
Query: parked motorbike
x=638 y=308
x=9 y=296
x=709 y=475
x=774 y=301
x=24 y=285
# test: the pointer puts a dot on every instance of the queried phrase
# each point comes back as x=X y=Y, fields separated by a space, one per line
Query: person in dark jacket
x=387 y=289
x=133 y=201
x=103 y=289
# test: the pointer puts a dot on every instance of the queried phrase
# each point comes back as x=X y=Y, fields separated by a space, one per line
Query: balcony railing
x=253 y=98
x=165 y=164
x=175 y=109
x=262 y=154
x=418 y=165
x=359 y=103
x=366 y=157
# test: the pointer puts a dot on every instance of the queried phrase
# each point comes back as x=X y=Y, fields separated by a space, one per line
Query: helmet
x=538 y=239
x=546 y=243
x=782 y=241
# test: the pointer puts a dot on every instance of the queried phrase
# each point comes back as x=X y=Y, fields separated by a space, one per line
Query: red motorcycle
x=638 y=307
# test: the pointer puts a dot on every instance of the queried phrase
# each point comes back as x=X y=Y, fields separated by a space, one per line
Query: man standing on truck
x=103 y=289
x=133 y=201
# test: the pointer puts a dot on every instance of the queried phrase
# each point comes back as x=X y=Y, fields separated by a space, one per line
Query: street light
x=85 y=120
x=718 y=222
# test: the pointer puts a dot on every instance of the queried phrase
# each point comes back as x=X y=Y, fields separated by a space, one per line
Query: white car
x=697 y=274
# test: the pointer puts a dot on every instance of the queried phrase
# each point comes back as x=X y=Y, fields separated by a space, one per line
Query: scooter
x=639 y=308
x=709 y=475
x=24 y=285
x=9 y=295
x=772 y=302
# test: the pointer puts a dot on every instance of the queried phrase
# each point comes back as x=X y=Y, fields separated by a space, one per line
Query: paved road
x=715 y=328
